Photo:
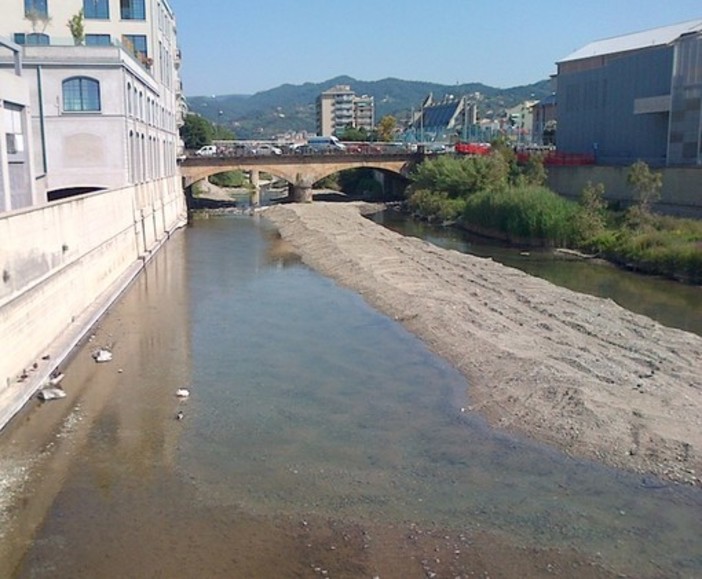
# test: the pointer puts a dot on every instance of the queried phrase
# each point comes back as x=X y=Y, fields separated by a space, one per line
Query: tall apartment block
x=339 y=107
x=105 y=106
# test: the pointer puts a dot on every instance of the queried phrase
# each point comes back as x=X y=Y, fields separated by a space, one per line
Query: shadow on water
x=307 y=404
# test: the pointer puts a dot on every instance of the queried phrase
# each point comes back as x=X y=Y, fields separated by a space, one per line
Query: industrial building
x=634 y=97
x=444 y=121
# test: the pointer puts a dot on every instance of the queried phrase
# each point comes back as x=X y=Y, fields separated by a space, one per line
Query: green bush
x=526 y=212
x=229 y=179
x=461 y=176
x=431 y=205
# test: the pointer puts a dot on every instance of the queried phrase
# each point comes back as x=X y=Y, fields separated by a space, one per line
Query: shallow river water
x=320 y=439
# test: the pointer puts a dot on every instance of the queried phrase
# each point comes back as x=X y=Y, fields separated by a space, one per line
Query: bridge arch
x=300 y=171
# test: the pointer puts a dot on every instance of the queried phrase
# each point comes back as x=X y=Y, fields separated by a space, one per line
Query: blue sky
x=246 y=46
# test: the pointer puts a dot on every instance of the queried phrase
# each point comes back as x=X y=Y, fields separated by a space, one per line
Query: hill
x=292 y=107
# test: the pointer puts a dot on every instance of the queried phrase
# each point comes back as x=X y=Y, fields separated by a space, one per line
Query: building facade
x=105 y=106
x=634 y=97
x=443 y=121
x=339 y=108
x=17 y=188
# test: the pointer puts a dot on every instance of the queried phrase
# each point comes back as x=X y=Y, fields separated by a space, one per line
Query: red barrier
x=473 y=148
x=556 y=158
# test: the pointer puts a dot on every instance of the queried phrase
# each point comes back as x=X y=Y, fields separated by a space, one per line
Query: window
x=81 y=94
x=129 y=99
x=132 y=9
x=98 y=40
x=32 y=39
x=14 y=138
x=96 y=9
x=136 y=45
x=38 y=39
x=36 y=9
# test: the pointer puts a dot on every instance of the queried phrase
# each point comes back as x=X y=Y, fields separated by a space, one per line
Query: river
x=320 y=439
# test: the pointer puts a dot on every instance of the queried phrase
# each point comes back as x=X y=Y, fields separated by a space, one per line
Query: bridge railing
x=250 y=149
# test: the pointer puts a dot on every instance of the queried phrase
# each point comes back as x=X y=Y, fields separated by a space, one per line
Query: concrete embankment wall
x=681 y=194
x=62 y=265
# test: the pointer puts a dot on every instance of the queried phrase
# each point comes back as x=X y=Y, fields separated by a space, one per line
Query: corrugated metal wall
x=596 y=108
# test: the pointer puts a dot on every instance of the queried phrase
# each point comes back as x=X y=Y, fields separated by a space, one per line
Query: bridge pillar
x=302 y=193
x=302 y=189
x=256 y=192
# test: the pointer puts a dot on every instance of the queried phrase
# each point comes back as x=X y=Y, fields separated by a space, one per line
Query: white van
x=326 y=144
x=206 y=151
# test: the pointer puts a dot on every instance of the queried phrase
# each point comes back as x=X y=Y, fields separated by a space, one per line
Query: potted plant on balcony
x=76 y=24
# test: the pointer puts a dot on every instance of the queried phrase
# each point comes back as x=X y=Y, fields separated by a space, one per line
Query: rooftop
x=635 y=41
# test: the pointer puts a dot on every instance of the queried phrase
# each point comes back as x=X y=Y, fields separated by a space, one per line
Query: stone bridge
x=300 y=171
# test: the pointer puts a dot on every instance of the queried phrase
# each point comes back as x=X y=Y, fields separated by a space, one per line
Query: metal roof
x=637 y=40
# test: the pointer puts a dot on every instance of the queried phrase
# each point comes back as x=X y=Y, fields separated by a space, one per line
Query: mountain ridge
x=291 y=107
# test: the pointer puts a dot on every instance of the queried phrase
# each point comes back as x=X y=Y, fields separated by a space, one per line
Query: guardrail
x=352 y=149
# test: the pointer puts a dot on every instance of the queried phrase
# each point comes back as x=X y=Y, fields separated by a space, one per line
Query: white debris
x=182 y=393
x=102 y=355
x=51 y=393
x=55 y=378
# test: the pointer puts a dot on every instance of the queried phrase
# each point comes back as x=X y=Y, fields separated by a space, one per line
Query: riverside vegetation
x=495 y=196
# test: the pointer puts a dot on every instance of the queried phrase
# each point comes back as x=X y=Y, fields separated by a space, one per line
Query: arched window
x=81 y=94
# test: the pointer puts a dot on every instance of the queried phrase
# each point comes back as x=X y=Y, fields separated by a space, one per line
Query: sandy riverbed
x=571 y=370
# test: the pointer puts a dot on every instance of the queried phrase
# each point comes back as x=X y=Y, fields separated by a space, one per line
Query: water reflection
x=670 y=303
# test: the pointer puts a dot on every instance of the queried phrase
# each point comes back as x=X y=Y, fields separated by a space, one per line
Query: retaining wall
x=681 y=194
x=61 y=266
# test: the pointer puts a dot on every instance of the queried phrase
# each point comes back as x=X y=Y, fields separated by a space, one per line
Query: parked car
x=206 y=151
x=238 y=150
x=268 y=149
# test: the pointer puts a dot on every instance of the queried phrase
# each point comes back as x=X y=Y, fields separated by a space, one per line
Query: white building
x=16 y=172
x=105 y=108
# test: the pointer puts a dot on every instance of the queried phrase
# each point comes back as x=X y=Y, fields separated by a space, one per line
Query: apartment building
x=634 y=97
x=339 y=107
x=106 y=104
x=364 y=112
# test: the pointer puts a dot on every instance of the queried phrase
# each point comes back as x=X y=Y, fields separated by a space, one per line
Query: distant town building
x=519 y=121
x=544 y=121
x=106 y=105
x=634 y=97
x=339 y=108
x=447 y=120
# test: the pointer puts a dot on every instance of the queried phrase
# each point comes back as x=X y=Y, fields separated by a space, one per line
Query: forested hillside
x=292 y=107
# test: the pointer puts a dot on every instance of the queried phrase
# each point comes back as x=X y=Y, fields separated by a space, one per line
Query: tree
x=533 y=171
x=592 y=216
x=196 y=131
x=222 y=133
x=549 y=134
x=76 y=24
x=386 y=128
x=39 y=20
x=647 y=185
x=354 y=134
